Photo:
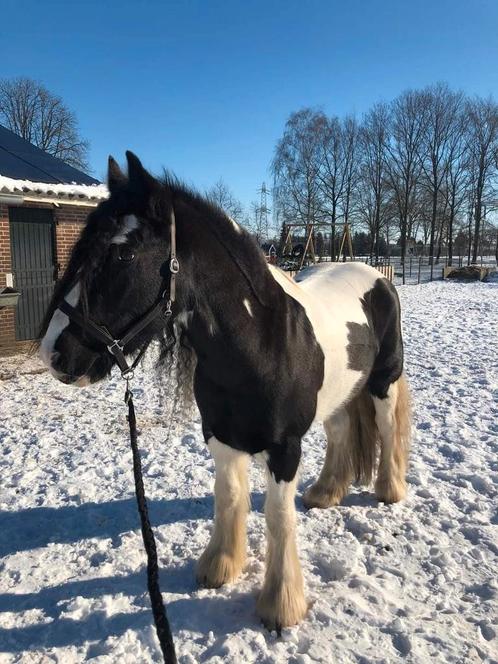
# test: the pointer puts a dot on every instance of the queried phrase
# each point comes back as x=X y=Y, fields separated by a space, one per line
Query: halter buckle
x=167 y=311
x=115 y=344
x=174 y=265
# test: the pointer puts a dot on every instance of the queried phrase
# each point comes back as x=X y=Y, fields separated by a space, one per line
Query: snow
x=94 y=192
x=415 y=581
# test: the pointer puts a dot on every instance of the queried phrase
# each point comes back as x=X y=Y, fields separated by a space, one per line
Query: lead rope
x=163 y=629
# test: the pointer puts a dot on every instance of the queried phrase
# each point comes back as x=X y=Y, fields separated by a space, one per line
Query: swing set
x=301 y=255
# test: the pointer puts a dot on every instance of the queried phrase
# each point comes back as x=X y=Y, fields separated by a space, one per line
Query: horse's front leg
x=225 y=555
x=282 y=602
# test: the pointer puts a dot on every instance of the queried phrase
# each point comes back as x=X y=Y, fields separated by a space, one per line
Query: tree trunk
x=469 y=240
x=477 y=230
x=450 y=228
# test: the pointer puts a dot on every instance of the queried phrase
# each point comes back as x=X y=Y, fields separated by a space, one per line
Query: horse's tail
x=364 y=439
x=363 y=436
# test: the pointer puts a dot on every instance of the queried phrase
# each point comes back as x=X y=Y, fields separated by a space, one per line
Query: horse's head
x=117 y=272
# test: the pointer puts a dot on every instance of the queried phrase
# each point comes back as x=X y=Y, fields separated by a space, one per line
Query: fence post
x=411 y=259
x=419 y=269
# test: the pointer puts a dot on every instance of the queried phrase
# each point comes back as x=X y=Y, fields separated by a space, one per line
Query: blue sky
x=204 y=87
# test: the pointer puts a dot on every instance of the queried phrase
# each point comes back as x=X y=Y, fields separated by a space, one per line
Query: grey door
x=32 y=239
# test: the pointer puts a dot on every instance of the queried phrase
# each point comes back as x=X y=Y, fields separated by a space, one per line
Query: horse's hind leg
x=392 y=416
x=337 y=471
x=225 y=555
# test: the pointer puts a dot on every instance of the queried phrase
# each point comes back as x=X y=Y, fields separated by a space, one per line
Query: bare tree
x=373 y=189
x=427 y=162
x=221 y=195
x=28 y=109
x=351 y=136
x=295 y=167
x=456 y=186
x=331 y=173
x=483 y=146
x=441 y=109
x=404 y=167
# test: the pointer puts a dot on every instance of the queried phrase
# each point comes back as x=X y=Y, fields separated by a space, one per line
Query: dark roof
x=21 y=160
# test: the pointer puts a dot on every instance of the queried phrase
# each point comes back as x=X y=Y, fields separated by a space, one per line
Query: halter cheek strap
x=162 y=308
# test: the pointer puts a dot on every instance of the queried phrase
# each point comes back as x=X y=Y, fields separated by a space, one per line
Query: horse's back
x=338 y=281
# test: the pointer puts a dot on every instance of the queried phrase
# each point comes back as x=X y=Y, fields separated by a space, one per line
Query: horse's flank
x=332 y=295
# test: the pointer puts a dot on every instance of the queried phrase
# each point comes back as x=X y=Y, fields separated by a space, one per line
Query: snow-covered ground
x=416 y=581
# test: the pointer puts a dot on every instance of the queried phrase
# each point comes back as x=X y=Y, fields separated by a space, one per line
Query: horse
x=270 y=356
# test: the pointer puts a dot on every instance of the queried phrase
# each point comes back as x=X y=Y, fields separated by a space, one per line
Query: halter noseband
x=161 y=308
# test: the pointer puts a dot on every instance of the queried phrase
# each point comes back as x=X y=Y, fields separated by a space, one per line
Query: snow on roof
x=63 y=192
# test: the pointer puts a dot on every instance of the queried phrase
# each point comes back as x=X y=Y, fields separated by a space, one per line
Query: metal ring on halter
x=128 y=374
x=174 y=266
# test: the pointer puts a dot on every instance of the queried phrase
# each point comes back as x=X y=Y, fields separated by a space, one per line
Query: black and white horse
x=272 y=356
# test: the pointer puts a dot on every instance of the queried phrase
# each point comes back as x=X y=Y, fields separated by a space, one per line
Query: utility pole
x=262 y=213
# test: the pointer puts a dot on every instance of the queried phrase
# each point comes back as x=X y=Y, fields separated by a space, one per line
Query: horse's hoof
x=390 y=491
x=317 y=496
x=214 y=570
x=285 y=608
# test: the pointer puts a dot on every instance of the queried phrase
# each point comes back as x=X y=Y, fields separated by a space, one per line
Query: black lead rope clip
x=128 y=394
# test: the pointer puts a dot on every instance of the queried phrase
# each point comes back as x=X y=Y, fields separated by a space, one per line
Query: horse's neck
x=237 y=305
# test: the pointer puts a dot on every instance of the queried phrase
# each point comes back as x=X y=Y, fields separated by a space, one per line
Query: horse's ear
x=140 y=179
x=115 y=176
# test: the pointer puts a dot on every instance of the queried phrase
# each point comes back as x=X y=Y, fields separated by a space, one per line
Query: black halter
x=162 y=308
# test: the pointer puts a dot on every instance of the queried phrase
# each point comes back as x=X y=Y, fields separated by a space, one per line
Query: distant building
x=270 y=252
x=44 y=203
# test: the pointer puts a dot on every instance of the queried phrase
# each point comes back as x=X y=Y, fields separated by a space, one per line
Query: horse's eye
x=125 y=254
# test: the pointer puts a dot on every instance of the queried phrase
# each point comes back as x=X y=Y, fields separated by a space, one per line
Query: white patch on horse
x=247 y=305
x=57 y=325
x=130 y=223
x=235 y=224
x=331 y=296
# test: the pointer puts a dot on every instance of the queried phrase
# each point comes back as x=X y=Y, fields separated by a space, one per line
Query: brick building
x=43 y=206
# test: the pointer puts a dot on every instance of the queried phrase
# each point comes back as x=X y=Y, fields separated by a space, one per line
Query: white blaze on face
x=130 y=223
x=58 y=323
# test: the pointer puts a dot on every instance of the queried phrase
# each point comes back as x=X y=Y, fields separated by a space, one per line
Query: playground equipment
x=295 y=257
